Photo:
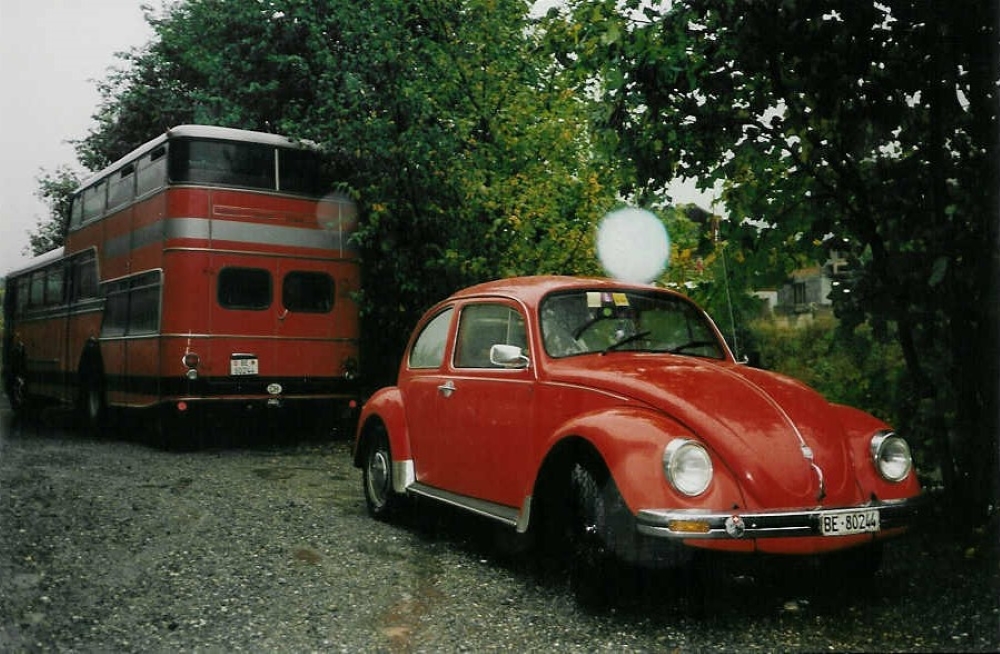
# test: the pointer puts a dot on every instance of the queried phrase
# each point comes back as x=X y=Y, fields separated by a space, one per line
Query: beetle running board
x=505 y=514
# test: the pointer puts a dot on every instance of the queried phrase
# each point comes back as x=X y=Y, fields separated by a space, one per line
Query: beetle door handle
x=447 y=388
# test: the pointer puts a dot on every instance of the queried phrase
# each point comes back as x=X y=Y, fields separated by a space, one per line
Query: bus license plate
x=848 y=522
x=243 y=366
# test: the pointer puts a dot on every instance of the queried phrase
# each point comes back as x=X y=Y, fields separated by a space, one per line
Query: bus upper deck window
x=244 y=288
x=300 y=171
x=248 y=165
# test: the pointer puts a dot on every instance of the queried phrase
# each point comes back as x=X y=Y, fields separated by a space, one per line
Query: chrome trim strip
x=776 y=524
x=505 y=514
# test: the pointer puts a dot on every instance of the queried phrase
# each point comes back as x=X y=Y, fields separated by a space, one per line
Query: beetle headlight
x=687 y=466
x=891 y=456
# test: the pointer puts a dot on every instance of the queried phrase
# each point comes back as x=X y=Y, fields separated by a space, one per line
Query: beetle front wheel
x=597 y=513
x=376 y=473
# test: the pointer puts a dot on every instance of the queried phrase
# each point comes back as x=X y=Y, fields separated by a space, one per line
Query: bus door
x=130 y=343
x=244 y=314
x=306 y=297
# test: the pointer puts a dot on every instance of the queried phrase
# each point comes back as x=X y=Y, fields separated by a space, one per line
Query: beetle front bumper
x=685 y=524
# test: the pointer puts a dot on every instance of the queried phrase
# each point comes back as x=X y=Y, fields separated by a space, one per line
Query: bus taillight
x=191 y=361
x=349 y=369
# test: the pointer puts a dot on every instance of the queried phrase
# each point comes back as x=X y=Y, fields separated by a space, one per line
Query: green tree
x=458 y=134
x=55 y=189
x=874 y=123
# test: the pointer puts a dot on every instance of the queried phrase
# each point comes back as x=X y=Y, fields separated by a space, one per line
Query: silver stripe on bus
x=225 y=230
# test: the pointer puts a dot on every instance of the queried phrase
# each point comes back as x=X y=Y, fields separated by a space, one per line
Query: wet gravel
x=112 y=545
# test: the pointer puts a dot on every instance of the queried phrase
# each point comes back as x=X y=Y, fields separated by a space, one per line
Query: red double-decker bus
x=208 y=267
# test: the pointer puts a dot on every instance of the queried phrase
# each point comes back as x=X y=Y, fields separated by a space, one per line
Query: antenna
x=729 y=300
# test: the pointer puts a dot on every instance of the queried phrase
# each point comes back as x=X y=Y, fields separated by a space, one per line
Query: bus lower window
x=244 y=288
x=307 y=292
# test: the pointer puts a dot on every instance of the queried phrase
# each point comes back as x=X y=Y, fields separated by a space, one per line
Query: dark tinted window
x=132 y=305
x=307 y=292
x=249 y=165
x=83 y=271
x=244 y=288
x=301 y=171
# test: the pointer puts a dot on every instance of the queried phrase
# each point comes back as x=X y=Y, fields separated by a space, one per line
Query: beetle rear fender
x=384 y=408
x=631 y=441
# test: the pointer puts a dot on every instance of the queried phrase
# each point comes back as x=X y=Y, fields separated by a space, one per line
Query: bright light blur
x=633 y=245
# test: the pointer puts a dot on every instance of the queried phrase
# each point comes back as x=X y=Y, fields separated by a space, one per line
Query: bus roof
x=200 y=132
x=39 y=261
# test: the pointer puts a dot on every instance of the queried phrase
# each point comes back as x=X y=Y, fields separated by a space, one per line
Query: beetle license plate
x=243 y=366
x=848 y=522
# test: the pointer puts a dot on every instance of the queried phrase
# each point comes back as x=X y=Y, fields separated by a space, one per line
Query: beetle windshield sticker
x=593 y=299
x=620 y=299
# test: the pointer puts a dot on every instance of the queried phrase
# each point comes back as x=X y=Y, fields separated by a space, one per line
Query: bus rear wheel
x=92 y=406
x=17 y=394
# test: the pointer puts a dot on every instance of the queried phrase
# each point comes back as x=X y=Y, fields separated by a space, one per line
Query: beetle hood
x=782 y=441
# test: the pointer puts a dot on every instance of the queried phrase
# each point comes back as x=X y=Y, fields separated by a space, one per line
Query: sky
x=53 y=54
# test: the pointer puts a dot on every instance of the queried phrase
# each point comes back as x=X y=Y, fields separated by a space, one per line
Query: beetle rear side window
x=428 y=349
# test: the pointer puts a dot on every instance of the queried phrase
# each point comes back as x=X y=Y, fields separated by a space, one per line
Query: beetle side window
x=480 y=327
x=428 y=349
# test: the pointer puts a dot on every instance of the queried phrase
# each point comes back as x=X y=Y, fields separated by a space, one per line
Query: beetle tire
x=597 y=511
x=376 y=474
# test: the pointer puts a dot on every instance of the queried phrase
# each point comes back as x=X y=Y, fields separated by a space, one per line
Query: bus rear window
x=244 y=288
x=249 y=165
x=307 y=292
x=301 y=171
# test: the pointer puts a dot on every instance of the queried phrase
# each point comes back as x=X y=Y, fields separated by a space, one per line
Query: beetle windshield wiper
x=625 y=341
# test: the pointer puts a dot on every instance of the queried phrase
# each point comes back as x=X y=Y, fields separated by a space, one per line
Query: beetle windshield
x=581 y=322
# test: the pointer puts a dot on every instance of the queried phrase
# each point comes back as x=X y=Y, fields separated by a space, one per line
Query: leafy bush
x=850 y=367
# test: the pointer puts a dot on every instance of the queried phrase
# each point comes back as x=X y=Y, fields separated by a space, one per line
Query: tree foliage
x=55 y=189
x=875 y=124
x=466 y=148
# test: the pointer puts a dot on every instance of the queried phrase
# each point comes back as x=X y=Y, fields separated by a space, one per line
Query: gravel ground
x=108 y=544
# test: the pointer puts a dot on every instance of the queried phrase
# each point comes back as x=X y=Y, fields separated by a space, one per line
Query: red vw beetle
x=612 y=419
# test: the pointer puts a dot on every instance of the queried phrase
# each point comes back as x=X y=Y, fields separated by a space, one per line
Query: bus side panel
x=147 y=236
x=45 y=349
x=116 y=248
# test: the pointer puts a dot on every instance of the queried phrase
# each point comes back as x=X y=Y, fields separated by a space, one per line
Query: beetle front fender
x=384 y=408
x=631 y=441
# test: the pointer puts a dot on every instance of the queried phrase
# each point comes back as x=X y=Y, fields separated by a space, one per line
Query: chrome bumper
x=684 y=524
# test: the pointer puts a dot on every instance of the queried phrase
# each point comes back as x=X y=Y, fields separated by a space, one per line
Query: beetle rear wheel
x=377 y=476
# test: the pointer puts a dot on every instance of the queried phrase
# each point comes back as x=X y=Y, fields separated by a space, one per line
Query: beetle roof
x=532 y=289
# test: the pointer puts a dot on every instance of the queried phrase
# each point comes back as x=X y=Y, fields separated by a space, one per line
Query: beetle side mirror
x=508 y=356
